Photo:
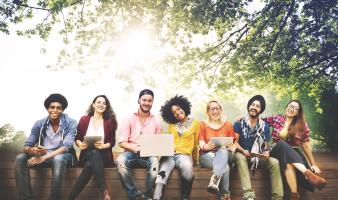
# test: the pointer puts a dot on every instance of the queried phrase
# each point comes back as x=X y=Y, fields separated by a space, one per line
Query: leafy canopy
x=288 y=45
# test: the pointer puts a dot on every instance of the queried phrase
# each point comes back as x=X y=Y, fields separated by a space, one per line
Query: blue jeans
x=185 y=165
x=218 y=162
x=59 y=165
x=127 y=160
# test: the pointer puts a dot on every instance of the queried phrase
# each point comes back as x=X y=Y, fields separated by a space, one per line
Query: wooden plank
x=41 y=179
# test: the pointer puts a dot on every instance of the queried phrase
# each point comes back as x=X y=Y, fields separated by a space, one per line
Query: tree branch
x=282 y=26
x=45 y=9
x=216 y=65
x=228 y=38
x=317 y=63
x=33 y=7
x=45 y=19
x=65 y=24
x=83 y=5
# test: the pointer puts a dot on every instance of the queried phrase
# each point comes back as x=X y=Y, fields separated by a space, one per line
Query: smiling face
x=255 y=109
x=178 y=113
x=99 y=105
x=55 y=110
x=292 y=109
x=146 y=102
x=214 y=111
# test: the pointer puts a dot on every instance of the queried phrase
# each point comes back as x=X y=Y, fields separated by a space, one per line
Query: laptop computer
x=222 y=141
x=156 y=145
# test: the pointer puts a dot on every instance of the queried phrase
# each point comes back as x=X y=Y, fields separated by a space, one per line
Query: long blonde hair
x=221 y=121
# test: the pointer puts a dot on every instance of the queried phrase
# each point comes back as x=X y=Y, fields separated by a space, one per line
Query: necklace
x=181 y=127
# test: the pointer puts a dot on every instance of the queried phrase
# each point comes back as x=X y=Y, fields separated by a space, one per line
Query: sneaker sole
x=212 y=190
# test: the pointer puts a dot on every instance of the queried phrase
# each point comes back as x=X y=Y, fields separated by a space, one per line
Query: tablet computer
x=90 y=140
x=222 y=141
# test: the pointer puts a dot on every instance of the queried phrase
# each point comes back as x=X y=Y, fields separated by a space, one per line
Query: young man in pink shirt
x=140 y=122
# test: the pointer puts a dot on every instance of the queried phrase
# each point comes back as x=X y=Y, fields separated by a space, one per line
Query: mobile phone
x=40 y=147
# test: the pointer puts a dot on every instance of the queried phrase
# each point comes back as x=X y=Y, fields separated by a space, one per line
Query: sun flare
x=135 y=46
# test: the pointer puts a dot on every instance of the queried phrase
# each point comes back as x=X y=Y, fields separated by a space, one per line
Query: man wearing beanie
x=141 y=122
x=249 y=131
x=50 y=144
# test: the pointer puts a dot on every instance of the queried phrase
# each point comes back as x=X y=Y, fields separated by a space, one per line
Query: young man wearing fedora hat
x=50 y=144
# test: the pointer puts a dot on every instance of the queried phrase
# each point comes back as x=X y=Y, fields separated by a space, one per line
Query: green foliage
x=10 y=140
x=291 y=43
x=6 y=133
x=328 y=121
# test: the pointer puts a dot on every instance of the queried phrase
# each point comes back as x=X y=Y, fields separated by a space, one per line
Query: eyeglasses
x=292 y=107
x=215 y=109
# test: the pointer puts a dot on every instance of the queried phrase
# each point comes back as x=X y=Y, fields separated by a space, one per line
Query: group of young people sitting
x=50 y=144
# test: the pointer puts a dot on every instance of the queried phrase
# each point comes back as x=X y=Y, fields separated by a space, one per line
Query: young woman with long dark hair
x=290 y=133
x=99 y=121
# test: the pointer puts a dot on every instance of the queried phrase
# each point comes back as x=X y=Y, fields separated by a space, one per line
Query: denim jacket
x=38 y=132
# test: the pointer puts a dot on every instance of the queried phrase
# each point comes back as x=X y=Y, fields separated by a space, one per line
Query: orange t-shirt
x=226 y=130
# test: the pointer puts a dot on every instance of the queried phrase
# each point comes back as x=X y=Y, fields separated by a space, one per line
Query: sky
x=26 y=82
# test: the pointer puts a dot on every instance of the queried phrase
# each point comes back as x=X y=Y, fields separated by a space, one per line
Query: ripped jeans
x=127 y=160
x=184 y=164
x=218 y=162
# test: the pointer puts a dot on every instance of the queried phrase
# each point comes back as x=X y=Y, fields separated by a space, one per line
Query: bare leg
x=290 y=175
x=300 y=167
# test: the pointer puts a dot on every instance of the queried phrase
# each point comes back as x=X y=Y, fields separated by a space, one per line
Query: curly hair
x=177 y=100
x=108 y=114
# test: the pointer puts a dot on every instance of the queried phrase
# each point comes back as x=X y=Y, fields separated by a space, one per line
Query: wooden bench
x=41 y=182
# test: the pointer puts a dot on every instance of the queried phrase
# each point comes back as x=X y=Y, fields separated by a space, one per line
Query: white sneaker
x=213 y=184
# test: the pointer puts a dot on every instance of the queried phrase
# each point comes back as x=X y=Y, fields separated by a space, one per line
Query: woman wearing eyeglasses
x=290 y=133
x=213 y=157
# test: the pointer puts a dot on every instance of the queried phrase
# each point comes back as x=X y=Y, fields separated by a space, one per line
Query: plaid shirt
x=277 y=123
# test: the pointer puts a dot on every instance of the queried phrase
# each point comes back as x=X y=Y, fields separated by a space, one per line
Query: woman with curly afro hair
x=176 y=113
